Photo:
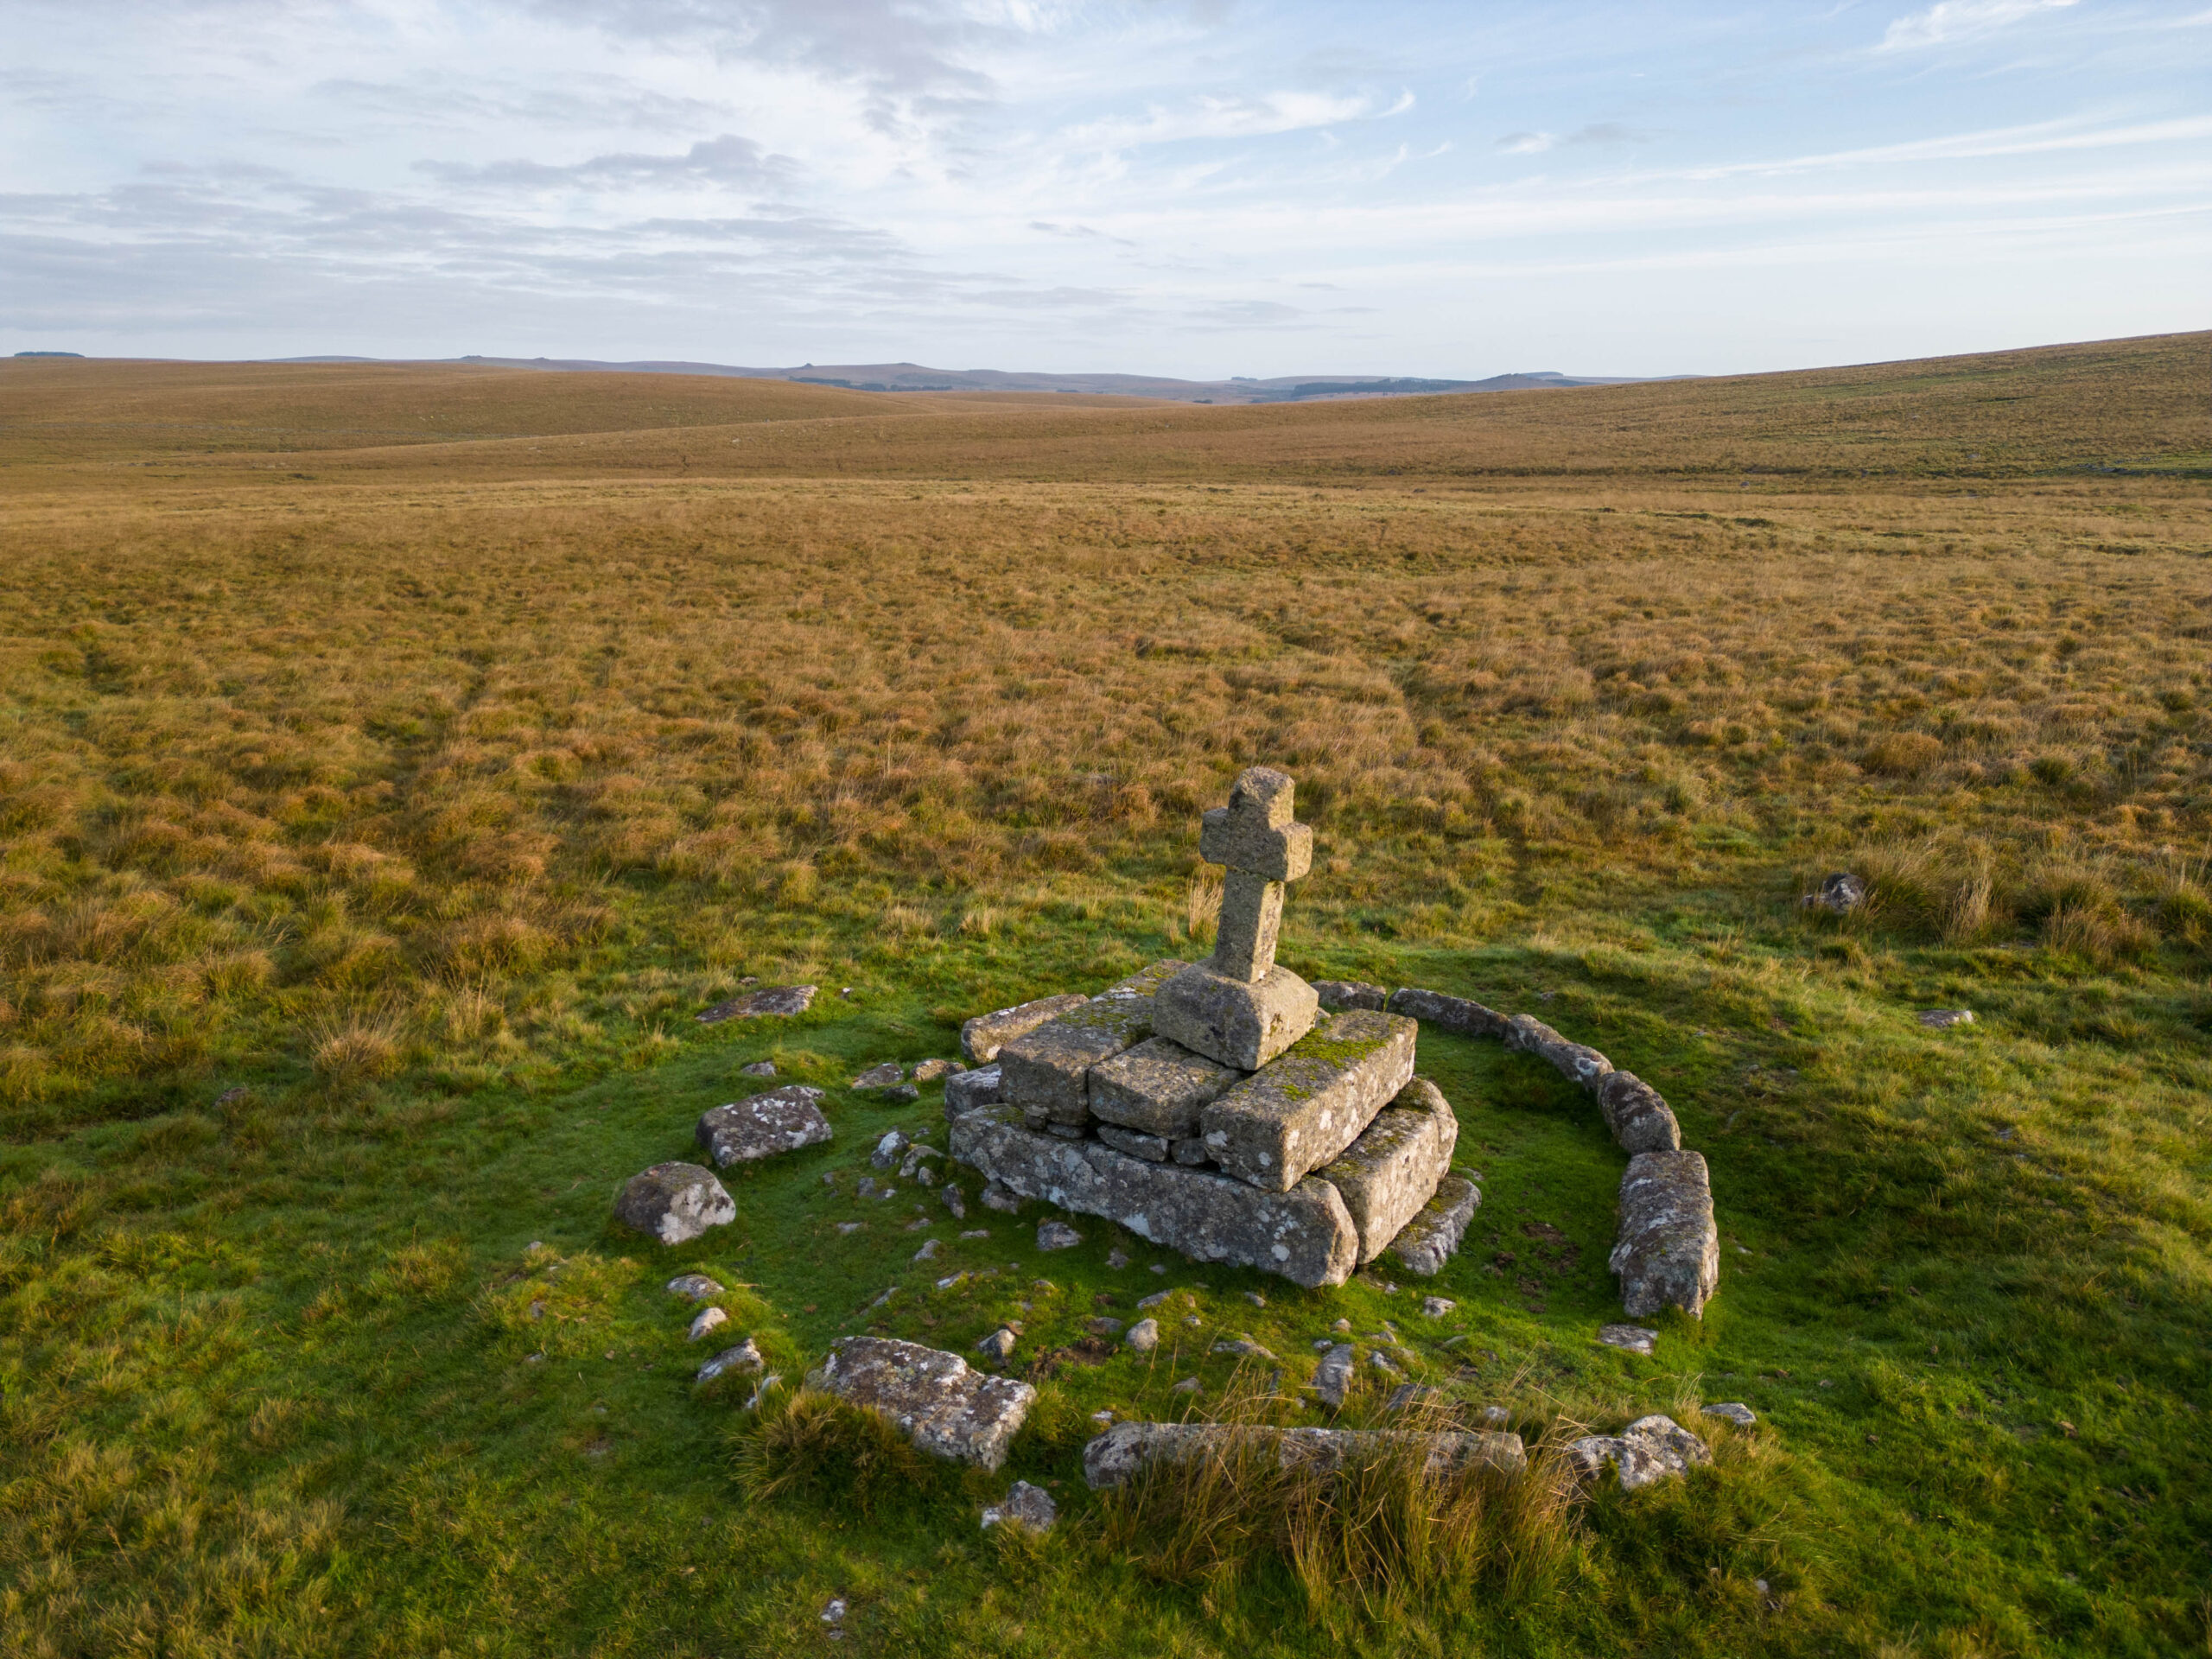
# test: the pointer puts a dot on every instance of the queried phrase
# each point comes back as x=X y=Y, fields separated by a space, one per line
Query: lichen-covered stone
x=1125 y=1449
x=934 y=1398
x=1305 y=1235
x=1030 y=1508
x=1452 y=1013
x=1432 y=1238
x=1392 y=1169
x=1157 y=1087
x=1332 y=1375
x=965 y=1091
x=675 y=1203
x=783 y=1001
x=1337 y=994
x=1192 y=1153
x=1046 y=1071
x=782 y=1120
x=1255 y=831
x=1239 y=1023
x=1134 y=1142
x=1300 y=1112
x=1650 y=1449
x=1527 y=1034
x=1640 y=1120
x=981 y=1038
x=1667 y=1251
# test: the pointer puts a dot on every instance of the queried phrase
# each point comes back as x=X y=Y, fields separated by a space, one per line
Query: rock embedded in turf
x=1125 y=1450
x=1046 y=1071
x=889 y=1149
x=981 y=1038
x=995 y=1195
x=1144 y=1335
x=965 y=1091
x=1304 y=1235
x=1733 y=1411
x=1027 y=1507
x=1157 y=1087
x=1057 y=1235
x=1333 y=1375
x=917 y=1152
x=934 y=1398
x=900 y=1095
x=1241 y=1348
x=1337 y=994
x=1840 y=894
x=1577 y=1062
x=1639 y=1119
x=674 y=1202
x=1408 y=1396
x=758 y=1069
x=695 y=1287
x=782 y=1001
x=707 y=1320
x=1944 y=1018
x=1453 y=1014
x=1393 y=1169
x=743 y=1359
x=1650 y=1449
x=1668 y=1252
x=954 y=1202
x=930 y=1070
x=1310 y=1104
x=998 y=1345
x=1436 y=1307
x=1631 y=1338
x=1103 y=1326
x=782 y=1120
x=1432 y=1238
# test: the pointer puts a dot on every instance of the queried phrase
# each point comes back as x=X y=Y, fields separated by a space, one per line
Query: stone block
x=1157 y=1087
x=1650 y=1448
x=1237 y=1023
x=1392 y=1169
x=1640 y=1120
x=1046 y=1071
x=1249 y=927
x=675 y=1203
x=1337 y=994
x=1526 y=1034
x=1304 y=1235
x=1667 y=1251
x=1192 y=1153
x=932 y=1397
x=965 y=1091
x=1432 y=1238
x=1452 y=1013
x=1137 y=1144
x=1126 y=1449
x=981 y=1038
x=1305 y=1108
x=782 y=1120
x=783 y=1001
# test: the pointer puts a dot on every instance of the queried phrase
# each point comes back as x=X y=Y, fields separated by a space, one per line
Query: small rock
x=783 y=1001
x=1160 y=1266
x=1380 y=1363
x=1143 y=1336
x=887 y=1150
x=928 y=1252
x=879 y=1076
x=955 y=1201
x=886 y=1195
x=1342 y=1327
x=1155 y=1298
x=1734 y=1410
x=1436 y=1307
x=903 y=1093
x=1944 y=1018
x=1026 y=1506
x=1102 y=1326
x=758 y=1069
x=1496 y=1417
x=675 y=1203
x=998 y=1198
x=1332 y=1375
x=1188 y=1385
x=1117 y=1258
x=1650 y=1448
x=1057 y=1235
x=743 y=1358
x=696 y=1286
x=761 y=1391
x=834 y=1613
x=708 y=1318
x=912 y=1162
x=867 y=1187
x=998 y=1345
x=1840 y=894
x=1243 y=1348
x=1633 y=1337
x=950 y=1280
x=887 y=1296
x=1103 y=1417
x=847 y=992
x=930 y=1070
x=850 y=1226
x=977 y=1232
x=1407 y=1395
x=1256 y=1299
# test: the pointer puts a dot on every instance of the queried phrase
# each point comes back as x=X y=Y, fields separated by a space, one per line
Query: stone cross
x=1255 y=836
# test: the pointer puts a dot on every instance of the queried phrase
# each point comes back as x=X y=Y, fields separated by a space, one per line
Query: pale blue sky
x=1224 y=187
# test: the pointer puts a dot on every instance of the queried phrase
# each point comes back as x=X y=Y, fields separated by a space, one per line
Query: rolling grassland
x=393 y=760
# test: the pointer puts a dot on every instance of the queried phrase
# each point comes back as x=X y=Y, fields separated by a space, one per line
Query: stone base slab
x=1432 y=1238
x=1303 y=1110
x=1392 y=1169
x=1237 y=1023
x=1046 y=1071
x=1158 y=1087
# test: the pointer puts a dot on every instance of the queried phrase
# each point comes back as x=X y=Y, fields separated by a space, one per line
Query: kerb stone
x=1300 y=1112
x=1046 y=1071
x=1392 y=1169
x=1667 y=1251
x=1337 y=994
x=1157 y=1087
x=1452 y=1013
x=1640 y=1120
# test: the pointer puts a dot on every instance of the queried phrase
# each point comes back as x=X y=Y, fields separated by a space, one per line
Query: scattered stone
x=977 y=1232
x=1452 y=1013
x=1432 y=1238
x=998 y=1345
x=1406 y=1397
x=1155 y=1298
x=1122 y=1451
x=782 y=1120
x=1188 y=1385
x=834 y=1613
x=850 y=1227
x=1046 y=1071
x=743 y=1359
x=1342 y=1327
x=758 y=1069
x=981 y=1038
x=783 y=1001
x=1640 y=1120
x=1332 y=1376
x=1840 y=894
x=761 y=1390
x=1495 y=1416
x=1305 y=1235
x=912 y=1162
x=995 y=1196
x=1143 y=1336
x=1151 y=1148
x=675 y=1203
x=933 y=1396
x=1392 y=1169
x=952 y=1279
x=889 y=1149
x=1633 y=1337
x=1243 y=1348
x=900 y=1095
x=1337 y=994
x=1158 y=1267
x=1944 y=1018
x=697 y=1286
x=879 y=1076
x=1102 y=1326
x=954 y=1202
x=1436 y=1307
x=865 y=1189
x=1028 y=1507
x=930 y=1070
x=886 y=1195
x=707 y=1320
x=885 y=1298
x=964 y=1091
x=1117 y=1258
x=1526 y=1034
x=1312 y=1104
x=1381 y=1362
x=928 y=1252
x=1650 y=1449
x=1668 y=1253
x=1256 y=1299
x=1743 y=1416
x=1156 y=1088
x=1057 y=1235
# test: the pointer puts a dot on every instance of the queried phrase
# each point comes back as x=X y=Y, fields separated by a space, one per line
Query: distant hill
x=914 y=377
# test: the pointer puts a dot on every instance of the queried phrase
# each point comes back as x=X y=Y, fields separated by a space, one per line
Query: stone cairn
x=1213 y=1108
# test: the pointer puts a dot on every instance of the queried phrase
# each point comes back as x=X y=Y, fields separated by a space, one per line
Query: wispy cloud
x=1960 y=20
x=1603 y=132
x=1249 y=117
x=728 y=161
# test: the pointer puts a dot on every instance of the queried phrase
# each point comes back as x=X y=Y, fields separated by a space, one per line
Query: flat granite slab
x=782 y=1120
x=1244 y=1023
x=1157 y=1087
x=1305 y=1108
x=933 y=1398
x=1432 y=1238
x=1305 y=1234
x=981 y=1038
x=1392 y=1169
x=1046 y=1071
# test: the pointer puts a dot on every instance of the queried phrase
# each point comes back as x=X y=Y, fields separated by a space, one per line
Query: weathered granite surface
x=1046 y=1071
x=1392 y=1169
x=1332 y=1375
x=1157 y=1087
x=1305 y=1234
x=1240 y=1023
x=933 y=1397
x=1650 y=1448
x=1527 y=1034
x=1432 y=1238
x=782 y=1120
x=675 y=1203
x=1126 y=1449
x=1667 y=1251
x=1337 y=994
x=1135 y=1143
x=1640 y=1120
x=1254 y=831
x=965 y=1091
x=1452 y=1013
x=1300 y=1112
x=781 y=1000
x=981 y=1038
